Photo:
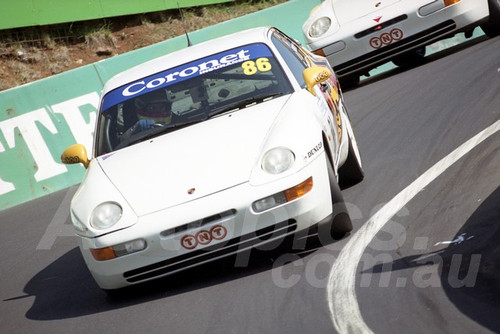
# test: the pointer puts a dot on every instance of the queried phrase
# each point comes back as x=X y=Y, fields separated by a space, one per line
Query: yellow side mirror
x=75 y=154
x=315 y=75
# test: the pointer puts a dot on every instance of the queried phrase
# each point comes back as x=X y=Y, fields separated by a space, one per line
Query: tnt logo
x=203 y=237
x=386 y=38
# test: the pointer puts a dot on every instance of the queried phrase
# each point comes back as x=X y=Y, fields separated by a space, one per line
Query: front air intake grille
x=372 y=59
x=206 y=254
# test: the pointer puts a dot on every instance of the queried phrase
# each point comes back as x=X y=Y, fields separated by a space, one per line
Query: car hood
x=347 y=11
x=192 y=162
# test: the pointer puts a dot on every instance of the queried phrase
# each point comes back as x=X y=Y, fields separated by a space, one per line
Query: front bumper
x=350 y=51
x=179 y=237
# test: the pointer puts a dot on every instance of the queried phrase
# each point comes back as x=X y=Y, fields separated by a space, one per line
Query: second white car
x=358 y=35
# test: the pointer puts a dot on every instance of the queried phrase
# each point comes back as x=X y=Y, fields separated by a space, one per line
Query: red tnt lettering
x=386 y=38
x=189 y=241
x=375 y=43
x=396 y=34
x=218 y=232
x=204 y=237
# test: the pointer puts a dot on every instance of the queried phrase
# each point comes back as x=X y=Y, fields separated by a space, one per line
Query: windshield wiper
x=243 y=103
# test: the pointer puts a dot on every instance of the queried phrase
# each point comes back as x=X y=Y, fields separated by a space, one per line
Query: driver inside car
x=152 y=110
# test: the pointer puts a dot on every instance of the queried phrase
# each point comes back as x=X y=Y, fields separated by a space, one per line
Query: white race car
x=358 y=35
x=209 y=151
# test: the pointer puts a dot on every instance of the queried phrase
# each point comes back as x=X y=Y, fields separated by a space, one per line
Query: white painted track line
x=341 y=292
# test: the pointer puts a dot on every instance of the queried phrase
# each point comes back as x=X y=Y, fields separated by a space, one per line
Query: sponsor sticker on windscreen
x=184 y=72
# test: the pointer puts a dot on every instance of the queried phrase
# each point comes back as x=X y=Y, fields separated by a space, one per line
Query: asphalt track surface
x=432 y=267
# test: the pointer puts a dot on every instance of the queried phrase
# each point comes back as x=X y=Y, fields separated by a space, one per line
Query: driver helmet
x=155 y=106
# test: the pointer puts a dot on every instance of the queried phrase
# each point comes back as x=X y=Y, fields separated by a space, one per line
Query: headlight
x=105 y=215
x=320 y=26
x=277 y=160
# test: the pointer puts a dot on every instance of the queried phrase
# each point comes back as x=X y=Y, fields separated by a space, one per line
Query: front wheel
x=349 y=82
x=339 y=223
x=492 y=27
x=351 y=172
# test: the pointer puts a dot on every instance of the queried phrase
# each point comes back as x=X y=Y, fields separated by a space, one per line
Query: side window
x=291 y=58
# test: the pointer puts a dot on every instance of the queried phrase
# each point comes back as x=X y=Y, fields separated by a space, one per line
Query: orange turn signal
x=103 y=254
x=283 y=197
x=450 y=2
x=299 y=190
x=319 y=52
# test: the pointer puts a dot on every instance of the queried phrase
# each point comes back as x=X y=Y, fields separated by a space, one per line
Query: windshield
x=190 y=93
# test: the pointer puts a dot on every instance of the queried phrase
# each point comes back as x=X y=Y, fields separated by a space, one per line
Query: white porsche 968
x=209 y=151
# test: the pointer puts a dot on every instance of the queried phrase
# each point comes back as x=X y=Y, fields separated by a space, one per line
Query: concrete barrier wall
x=26 y=13
x=39 y=120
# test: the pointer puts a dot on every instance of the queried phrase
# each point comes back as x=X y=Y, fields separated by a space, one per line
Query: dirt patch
x=34 y=53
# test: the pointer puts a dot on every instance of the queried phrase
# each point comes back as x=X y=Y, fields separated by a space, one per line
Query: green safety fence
x=27 y=13
x=39 y=120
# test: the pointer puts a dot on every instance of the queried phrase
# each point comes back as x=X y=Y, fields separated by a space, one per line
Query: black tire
x=339 y=224
x=114 y=294
x=411 y=58
x=349 y=81
x=350 y=173
x=492 y=27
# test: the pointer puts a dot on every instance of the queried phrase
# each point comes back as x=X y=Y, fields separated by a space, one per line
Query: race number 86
x=251 y=67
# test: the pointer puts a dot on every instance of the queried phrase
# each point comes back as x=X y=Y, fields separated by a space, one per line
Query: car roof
x=197 y=51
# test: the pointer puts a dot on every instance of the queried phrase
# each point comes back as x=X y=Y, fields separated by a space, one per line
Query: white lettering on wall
x=5 y=187
x=70 y=110
x=27 y=125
